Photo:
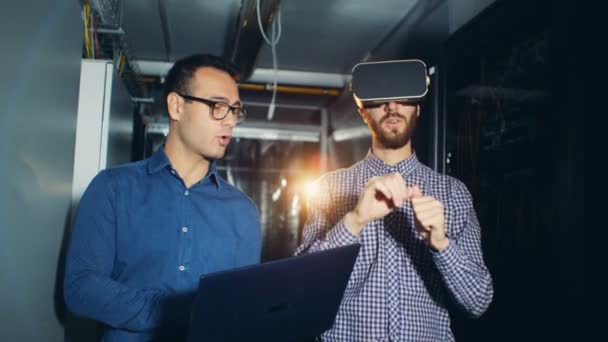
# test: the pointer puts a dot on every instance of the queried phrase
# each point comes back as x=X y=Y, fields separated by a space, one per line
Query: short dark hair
x=180 y=74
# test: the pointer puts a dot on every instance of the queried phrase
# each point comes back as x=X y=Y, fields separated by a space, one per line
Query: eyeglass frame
x=212 y=103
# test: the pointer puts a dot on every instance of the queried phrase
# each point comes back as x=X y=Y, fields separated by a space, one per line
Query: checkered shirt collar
x=379 y=167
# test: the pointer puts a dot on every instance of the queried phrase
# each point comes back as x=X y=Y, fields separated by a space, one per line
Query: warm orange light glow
x=311 y=189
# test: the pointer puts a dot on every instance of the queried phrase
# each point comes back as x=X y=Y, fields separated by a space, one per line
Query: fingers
x=425 y=206
x=430 y=222
x=428 y=211
x=398 y=188
x=381 y=195
x=392 y=187
x=378 y=185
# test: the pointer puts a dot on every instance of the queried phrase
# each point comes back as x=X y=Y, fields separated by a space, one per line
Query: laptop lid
x=286 y=300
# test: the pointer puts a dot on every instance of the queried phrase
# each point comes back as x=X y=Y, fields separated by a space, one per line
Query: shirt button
x=172 y=171
x=185 y=229
x=187 y=193
x=182 y=268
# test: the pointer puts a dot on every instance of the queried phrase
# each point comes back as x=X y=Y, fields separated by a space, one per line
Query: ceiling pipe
x=291 y=89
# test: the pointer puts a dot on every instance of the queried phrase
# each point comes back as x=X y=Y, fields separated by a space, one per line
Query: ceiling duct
x=248 y=39
x=109 y=11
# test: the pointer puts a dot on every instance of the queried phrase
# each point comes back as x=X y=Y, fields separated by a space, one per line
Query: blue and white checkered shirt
x=399 y=287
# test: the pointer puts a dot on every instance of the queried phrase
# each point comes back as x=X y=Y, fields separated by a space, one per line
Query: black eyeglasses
x=219 y=109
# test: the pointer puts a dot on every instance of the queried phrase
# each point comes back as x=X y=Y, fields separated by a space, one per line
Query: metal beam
x=276 y=134
x=261 y=130
x=281 y=105
x=351 y=133
x=119 y=31
x=309 y=78
x=265 y=76
x=247 y=103
x=324 y=143
x=143 y=99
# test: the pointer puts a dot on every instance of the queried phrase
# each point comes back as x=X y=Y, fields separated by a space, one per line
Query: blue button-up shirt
x=141 y=240
x=399 y=287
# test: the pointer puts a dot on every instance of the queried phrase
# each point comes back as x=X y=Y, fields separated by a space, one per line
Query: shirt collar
x=159 y=161
x=379 y=167
x=213 y=175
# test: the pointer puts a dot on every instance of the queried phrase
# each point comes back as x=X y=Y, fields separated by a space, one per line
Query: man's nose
x=390 y=106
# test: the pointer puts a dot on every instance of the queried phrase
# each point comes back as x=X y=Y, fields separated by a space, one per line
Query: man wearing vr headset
x=419 y=234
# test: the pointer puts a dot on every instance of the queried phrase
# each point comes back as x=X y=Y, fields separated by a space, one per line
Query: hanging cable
x=121 y=63
x=275 y=36
x=91 y=32
x=87 y=39
x=96 y=39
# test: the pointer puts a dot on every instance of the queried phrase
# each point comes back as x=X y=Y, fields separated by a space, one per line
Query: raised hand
x=430 y=219
x=379 y=197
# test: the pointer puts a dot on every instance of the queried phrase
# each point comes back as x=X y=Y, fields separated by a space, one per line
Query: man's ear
x=174 y=106
x=363 y=114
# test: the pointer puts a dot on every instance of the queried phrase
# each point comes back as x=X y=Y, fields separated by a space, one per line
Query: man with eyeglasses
x=145 y=232
x=419 y=236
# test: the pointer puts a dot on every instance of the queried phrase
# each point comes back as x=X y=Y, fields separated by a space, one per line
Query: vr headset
x=375 y=83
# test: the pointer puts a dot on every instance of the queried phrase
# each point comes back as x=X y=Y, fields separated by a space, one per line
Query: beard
x=392 y=138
